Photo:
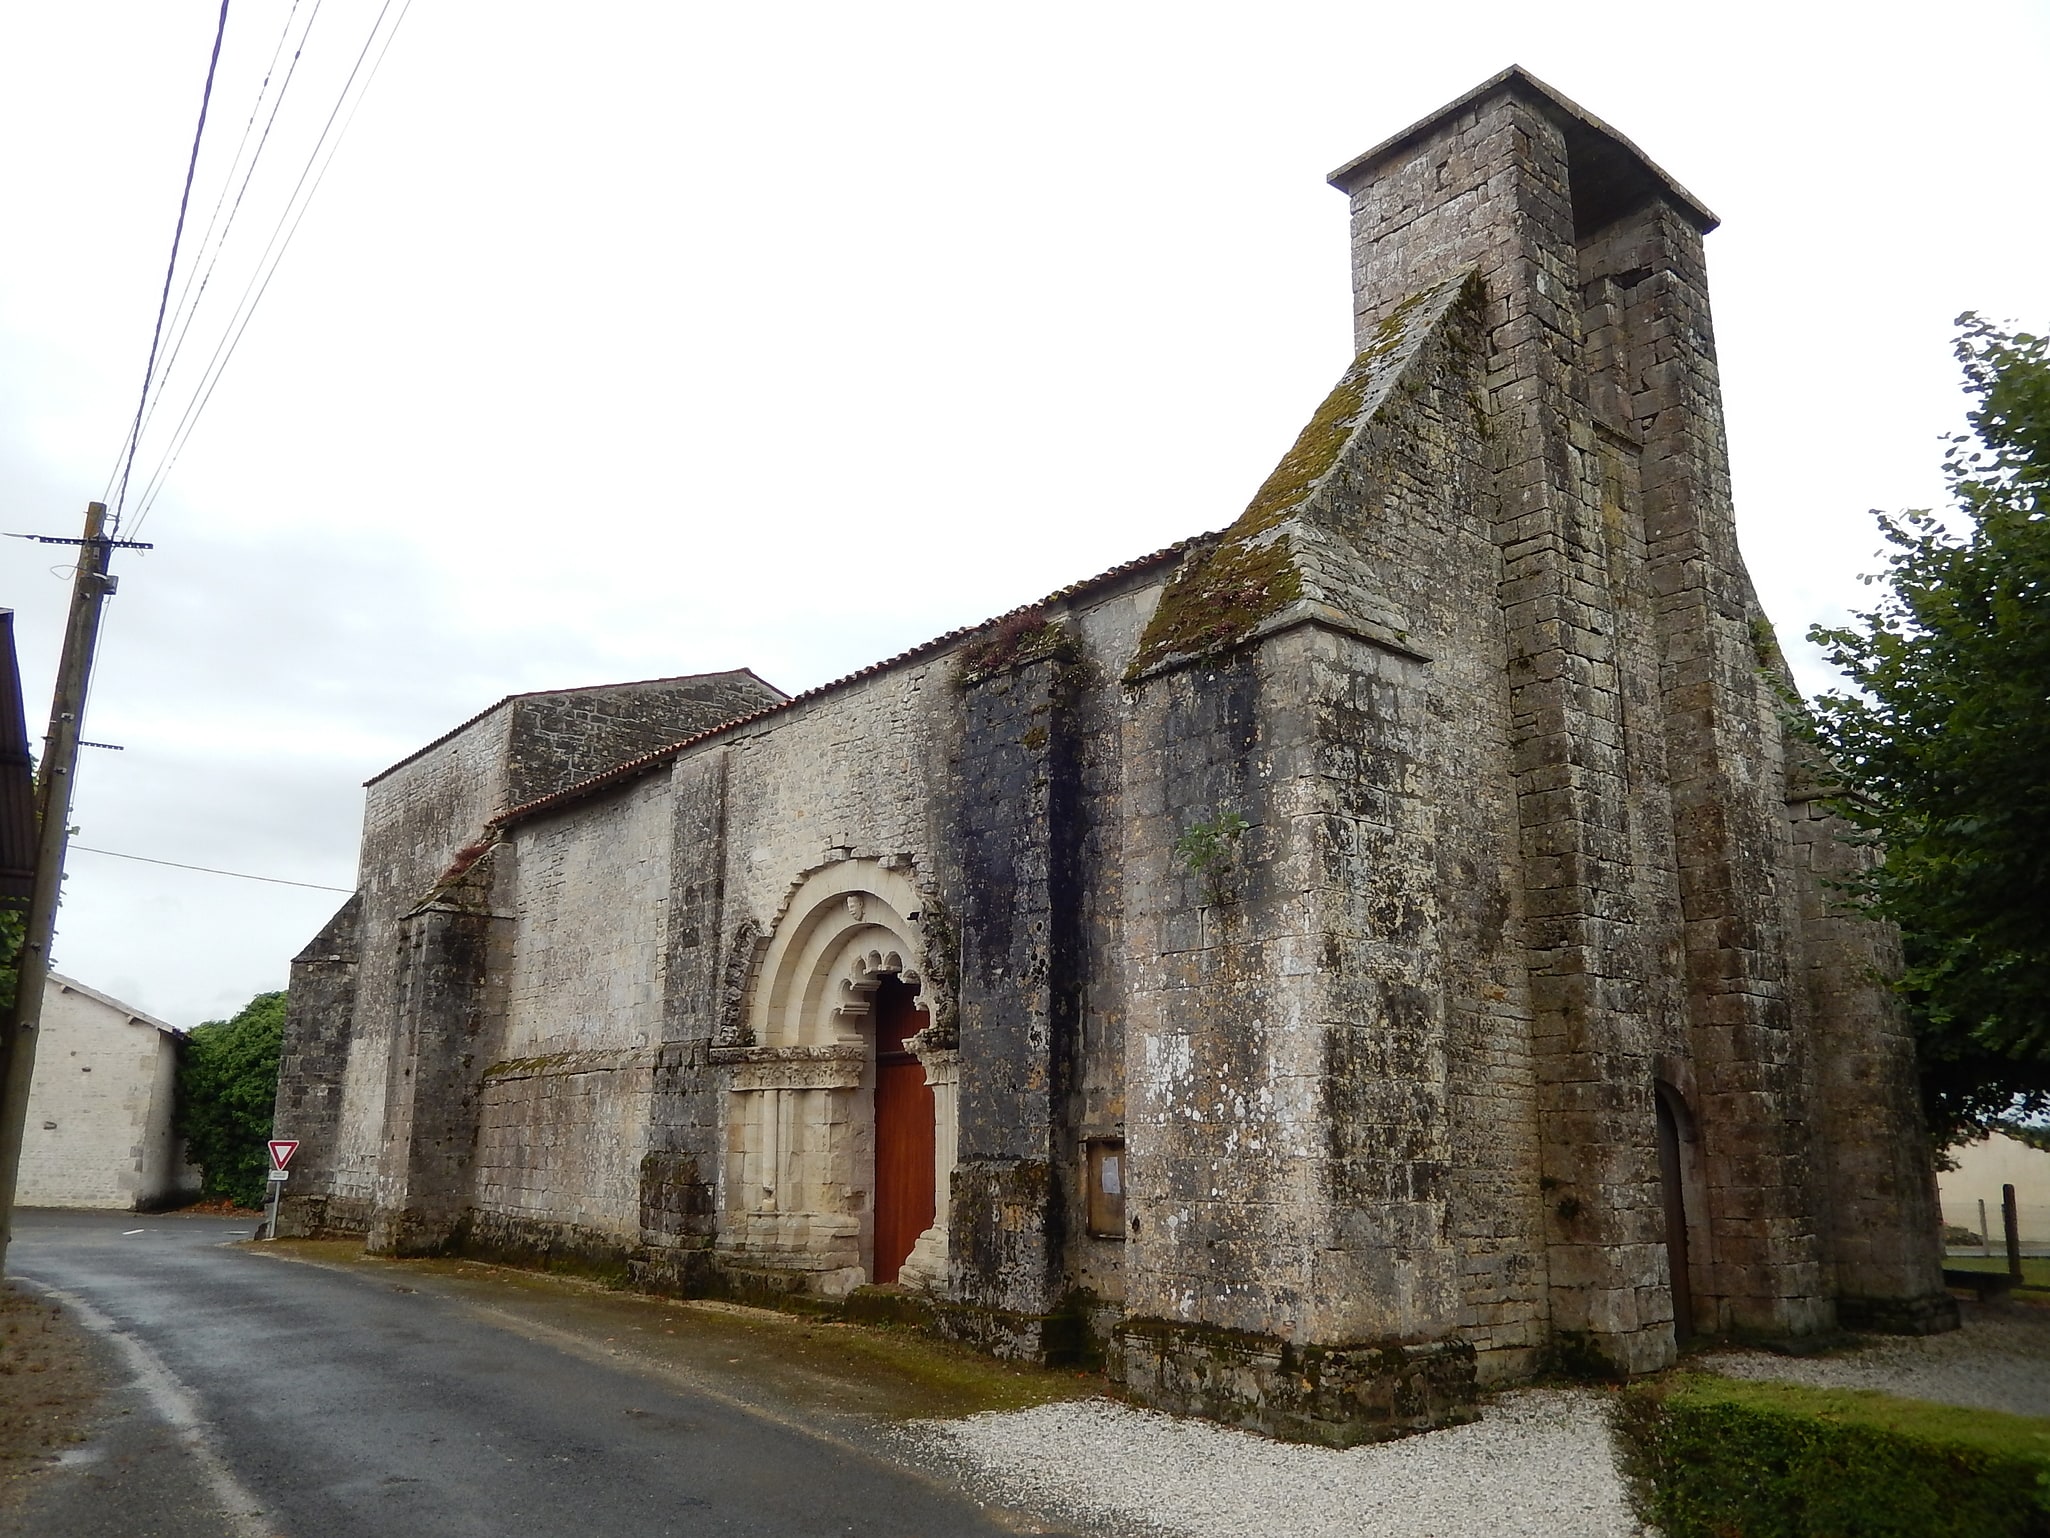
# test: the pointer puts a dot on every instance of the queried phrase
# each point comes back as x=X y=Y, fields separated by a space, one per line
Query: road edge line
x=243 y=1512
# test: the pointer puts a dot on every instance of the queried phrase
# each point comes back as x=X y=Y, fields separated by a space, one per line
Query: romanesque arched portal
x=803 y=1158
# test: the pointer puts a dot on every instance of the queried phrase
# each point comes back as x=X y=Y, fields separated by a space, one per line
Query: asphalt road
x=263 y=1399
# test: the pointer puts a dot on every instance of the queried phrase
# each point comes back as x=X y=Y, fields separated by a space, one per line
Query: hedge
x=1720 y=1458
x=227 y=1080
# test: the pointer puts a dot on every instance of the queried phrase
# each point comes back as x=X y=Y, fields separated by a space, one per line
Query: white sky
x=633 y=339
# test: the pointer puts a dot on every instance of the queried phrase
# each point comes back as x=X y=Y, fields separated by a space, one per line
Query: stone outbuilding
x=1324 y=966
x=99 y=1129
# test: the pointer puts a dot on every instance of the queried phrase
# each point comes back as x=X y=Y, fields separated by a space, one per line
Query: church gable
x=1303 y=546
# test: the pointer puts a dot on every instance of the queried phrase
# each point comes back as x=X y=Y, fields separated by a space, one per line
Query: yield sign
x=281 y=1151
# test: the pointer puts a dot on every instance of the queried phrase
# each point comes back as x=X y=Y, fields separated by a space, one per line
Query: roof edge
x=529 y=694
x=135 y=1016
x=633 y=768
x=1553 y=101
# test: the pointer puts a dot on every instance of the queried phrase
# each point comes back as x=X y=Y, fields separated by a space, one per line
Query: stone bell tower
x=1678 y=942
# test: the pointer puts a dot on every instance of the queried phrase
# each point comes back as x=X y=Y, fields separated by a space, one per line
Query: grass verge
x=2035 y=1283
x=49 y=1383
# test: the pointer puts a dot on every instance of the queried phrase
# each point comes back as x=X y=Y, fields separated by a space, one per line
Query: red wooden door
x=904 y=1131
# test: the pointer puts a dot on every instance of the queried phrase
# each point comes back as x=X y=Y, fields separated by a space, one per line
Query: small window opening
x=1107 y=1187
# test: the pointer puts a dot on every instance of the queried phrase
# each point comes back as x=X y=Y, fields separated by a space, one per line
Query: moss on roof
x=1219 y=600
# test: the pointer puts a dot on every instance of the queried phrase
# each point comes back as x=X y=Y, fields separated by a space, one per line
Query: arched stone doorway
x=840 y=1084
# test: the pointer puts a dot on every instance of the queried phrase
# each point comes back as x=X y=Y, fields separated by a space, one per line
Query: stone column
x=790 y=1161
x=925 y=1269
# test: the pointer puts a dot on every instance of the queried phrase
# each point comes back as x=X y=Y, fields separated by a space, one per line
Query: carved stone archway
x=800 y=1130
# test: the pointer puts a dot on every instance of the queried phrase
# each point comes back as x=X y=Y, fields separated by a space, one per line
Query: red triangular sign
x=281 y=1151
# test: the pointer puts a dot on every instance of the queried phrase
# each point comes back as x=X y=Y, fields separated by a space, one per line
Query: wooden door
x=904 y=1131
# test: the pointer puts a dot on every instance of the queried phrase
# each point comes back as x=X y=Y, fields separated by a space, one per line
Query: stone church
x=1324 y=967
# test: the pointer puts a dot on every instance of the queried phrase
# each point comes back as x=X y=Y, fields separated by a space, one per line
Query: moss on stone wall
x=1219 y=599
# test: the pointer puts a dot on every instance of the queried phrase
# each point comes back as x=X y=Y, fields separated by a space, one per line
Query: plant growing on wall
x=1210 y=850
x=227 y=1084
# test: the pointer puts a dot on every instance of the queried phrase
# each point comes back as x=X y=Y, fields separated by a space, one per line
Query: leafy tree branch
x=1943 y=746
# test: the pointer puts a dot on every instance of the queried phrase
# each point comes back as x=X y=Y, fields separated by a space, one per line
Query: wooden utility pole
x=89 y=589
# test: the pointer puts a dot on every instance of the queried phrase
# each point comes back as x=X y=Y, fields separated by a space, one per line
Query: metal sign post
x=281 y=1151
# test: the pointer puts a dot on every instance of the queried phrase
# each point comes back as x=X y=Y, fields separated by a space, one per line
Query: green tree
x=1943 y=744
x=13 y=926
x=227 y=1081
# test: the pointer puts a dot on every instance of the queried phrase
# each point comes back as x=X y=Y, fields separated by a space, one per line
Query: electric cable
x=245 y=310
x=239 y=875
x=182 y=315
x=170 y=269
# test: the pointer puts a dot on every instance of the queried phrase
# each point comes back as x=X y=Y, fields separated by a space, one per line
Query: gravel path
x=1539 y=1462
x=1999 y=1360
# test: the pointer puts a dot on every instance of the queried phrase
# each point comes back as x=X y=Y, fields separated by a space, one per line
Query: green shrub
x=227 y=1084
x=1719 y=1458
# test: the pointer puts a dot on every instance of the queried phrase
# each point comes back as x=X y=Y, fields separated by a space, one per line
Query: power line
x=245 y=309
x=182 y=316
x=211 y=871
x=171 y=268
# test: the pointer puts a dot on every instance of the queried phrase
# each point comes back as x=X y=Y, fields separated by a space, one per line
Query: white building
x=1982 y=1169
x=99 y=1107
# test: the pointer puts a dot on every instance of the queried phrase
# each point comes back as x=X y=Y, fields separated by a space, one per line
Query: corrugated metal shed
x=17 y=776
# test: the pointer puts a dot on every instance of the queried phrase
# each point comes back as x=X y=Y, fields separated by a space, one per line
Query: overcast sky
x=625 y=340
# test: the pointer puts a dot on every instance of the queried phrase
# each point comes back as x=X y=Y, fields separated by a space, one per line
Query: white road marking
x=240 y=1508
x=126 y=1232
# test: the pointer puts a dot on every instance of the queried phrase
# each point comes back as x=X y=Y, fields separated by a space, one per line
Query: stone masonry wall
x=419 y=815
x=1724 y=765
x=565 y=1110
x=416 y=818
x=560 y=738
x=1883 y=1229
x=1107 y=634
x=98 y=1127
x=1013 y=796
x=1489 y=185
x=320 y=1013
x=1419 y=851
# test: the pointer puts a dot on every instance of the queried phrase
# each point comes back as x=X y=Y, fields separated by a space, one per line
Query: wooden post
x=90 y=586
x=2010 y=1219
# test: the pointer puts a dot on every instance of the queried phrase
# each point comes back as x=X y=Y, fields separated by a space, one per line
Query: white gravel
x=1998 y=1360
x=1538 y=1462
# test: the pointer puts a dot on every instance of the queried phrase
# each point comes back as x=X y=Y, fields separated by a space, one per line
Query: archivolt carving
x=858 y=983
x=846 y=927
x=799 y=1167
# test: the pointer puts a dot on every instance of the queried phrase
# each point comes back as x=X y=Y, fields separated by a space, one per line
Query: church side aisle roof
x=635 y=767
